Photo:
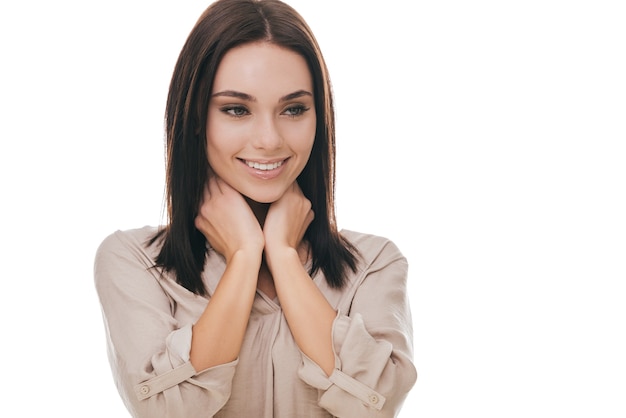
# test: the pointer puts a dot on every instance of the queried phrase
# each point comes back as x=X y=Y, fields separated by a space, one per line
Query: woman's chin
x=261 y=200
x=264 y=196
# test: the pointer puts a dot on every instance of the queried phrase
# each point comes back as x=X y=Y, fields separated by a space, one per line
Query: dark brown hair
x=224 y=25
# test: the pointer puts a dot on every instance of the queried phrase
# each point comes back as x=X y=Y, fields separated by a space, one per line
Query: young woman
x=250 y=302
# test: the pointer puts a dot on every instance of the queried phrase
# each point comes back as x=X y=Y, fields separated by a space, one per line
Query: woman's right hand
x=227 y=221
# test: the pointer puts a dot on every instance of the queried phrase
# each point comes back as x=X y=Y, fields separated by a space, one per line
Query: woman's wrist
x=283 y=256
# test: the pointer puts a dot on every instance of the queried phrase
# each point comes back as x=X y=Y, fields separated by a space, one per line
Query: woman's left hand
x=287 y=220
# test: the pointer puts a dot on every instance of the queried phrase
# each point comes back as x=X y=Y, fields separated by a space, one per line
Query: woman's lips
x=263 y=166
x=265 y=169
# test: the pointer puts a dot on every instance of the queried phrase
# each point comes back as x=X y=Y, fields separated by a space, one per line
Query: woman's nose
x=267 y=135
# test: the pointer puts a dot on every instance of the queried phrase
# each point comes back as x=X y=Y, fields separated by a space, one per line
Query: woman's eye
x=235 y=111
x=296 y=110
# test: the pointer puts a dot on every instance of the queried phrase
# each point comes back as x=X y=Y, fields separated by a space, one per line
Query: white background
x=486 y=138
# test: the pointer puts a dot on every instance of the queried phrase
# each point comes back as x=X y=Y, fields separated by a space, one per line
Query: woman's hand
x=227 y=221
x=287 y=220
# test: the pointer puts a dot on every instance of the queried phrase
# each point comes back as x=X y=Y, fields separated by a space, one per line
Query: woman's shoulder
x=371 y=247
x=137 y=240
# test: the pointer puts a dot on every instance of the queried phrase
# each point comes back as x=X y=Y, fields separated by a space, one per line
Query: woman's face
x=261 y=120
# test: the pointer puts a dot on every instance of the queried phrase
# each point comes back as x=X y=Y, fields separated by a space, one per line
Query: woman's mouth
x=263 y=166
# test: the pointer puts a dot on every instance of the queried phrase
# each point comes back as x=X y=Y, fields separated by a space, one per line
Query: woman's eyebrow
x=295 y=95
x=249 y=98
x=235 y=94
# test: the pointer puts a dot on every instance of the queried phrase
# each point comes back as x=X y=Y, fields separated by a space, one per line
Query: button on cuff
x=357 y=389
x=164 y=381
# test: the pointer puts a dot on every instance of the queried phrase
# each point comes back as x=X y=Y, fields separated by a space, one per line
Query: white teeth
x=264 y=167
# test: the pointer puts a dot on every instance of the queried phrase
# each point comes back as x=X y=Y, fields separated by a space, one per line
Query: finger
x=198 y=223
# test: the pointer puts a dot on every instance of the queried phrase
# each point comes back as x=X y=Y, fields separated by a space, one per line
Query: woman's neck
x=259 y=210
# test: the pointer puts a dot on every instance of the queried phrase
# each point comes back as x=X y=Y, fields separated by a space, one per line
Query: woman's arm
x=372 y=339
x=308 y=313
x=164 y=368
x=361 y=359
x=231 y=228
x=218 y=333
x=148 y=347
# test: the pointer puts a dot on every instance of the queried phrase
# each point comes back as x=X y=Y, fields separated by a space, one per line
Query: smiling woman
x=486 y=139
x=261 y=120
x=250 y=301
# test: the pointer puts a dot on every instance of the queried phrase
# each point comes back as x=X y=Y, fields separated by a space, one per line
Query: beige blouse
x=148 y=321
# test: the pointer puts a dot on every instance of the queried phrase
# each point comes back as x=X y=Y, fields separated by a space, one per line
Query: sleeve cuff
x=311 y=373
x=164 y=381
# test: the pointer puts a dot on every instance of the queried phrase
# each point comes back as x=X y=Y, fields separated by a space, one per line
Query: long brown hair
x=224 y=25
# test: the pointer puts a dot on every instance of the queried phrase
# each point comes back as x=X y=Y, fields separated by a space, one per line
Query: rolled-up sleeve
x=148 y=348
x=373 y=344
